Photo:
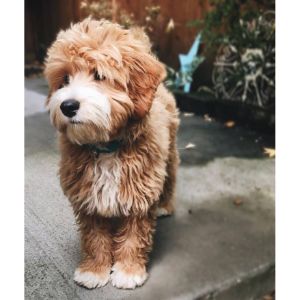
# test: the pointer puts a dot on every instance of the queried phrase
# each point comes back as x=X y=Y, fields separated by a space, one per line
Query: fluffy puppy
x=117 y=125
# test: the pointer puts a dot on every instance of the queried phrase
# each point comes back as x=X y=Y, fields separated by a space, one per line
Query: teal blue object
x=186 y=61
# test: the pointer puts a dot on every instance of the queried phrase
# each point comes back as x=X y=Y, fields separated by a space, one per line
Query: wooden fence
x=44 y=18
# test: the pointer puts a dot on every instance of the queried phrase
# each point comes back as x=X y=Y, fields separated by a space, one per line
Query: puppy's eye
x=97 y=76
x=66 y=80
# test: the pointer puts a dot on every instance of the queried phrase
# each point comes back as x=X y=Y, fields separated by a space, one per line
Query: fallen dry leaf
x=190 y=146
x=270 y=152
x=207 y=118
x=237 y=201
x=271 y=296
x=229 y=124
x=187 y=114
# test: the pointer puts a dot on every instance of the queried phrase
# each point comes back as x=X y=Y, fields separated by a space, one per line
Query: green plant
x=221 y=24
x=244 y=69
x=240 y=36
x=177 y=79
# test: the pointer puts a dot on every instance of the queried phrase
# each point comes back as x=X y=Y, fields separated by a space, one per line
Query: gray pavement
x=210 y=249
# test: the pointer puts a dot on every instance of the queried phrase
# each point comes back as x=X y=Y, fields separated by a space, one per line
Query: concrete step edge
x=251 y=286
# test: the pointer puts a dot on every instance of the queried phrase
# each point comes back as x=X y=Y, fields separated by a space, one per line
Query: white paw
x=90 y=280
x=124 y=280
x=160 y=211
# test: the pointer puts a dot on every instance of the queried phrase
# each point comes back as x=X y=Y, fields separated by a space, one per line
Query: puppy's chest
x=104 y=194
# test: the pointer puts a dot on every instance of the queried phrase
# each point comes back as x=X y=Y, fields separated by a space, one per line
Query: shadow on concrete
x=215 y=140
x=217 y=224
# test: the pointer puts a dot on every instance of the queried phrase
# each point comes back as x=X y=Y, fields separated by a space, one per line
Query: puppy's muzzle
x=69 y=107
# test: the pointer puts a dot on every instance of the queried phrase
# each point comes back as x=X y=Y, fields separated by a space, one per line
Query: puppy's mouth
x=75 y=122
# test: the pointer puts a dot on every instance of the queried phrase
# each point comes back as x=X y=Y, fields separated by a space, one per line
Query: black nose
x=70 y=107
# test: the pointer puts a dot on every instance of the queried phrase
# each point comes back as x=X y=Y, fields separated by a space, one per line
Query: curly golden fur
x=116 y=82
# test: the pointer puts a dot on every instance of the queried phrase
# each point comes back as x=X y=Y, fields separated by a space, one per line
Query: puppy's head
x=100 y=76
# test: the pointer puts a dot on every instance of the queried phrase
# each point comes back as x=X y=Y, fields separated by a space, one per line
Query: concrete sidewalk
x=210 y=249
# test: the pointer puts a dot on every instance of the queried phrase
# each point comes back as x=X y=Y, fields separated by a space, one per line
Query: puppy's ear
x=146 y=73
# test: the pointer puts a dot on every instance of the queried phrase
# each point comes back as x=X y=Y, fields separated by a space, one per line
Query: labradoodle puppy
x=117 y=128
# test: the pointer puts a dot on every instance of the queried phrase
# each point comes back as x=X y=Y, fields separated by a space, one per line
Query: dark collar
x=109 y=147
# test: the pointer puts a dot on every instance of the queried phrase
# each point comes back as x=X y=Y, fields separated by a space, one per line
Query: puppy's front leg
x=133 y=242
x=96 y=243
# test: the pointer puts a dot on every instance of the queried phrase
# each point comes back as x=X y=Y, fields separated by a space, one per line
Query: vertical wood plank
x=44 y=19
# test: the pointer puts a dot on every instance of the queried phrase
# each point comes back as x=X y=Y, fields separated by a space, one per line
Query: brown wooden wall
x=169 y=45
x=44 y=18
